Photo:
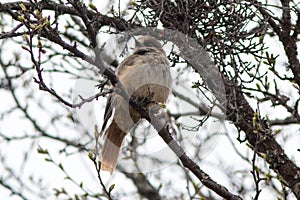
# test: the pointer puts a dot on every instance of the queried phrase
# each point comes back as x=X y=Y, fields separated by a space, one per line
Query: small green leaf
x=92 y=6
x=32 y=26
x=277 y=131
x=267 y=176
x=46 y=23
x=40 y=44
x=258 y=86
x=25 y=37
x=21 y=18
x=37 y=12
x=111 y=188
x=39 y=27
x=76 y=197
x=42 y=151
x=22 y=6
x=132 y=3
x=91 y=155
x=96 y=132
x=60 y=166
x=162 y=105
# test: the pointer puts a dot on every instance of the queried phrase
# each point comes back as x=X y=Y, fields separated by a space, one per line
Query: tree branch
x=237 y=108
x=102 y=20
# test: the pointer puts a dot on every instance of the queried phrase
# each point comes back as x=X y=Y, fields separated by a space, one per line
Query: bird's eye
x=141 y=52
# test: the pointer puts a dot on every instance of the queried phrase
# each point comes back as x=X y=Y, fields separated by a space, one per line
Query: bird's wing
x=126 y=65
x=108 y=112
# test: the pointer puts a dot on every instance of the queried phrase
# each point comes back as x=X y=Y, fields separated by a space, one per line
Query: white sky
x=81 y=168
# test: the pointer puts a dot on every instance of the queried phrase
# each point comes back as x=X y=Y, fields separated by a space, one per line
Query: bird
x=146 y=76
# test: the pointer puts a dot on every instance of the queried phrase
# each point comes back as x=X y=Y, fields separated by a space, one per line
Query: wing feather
x=107 y=113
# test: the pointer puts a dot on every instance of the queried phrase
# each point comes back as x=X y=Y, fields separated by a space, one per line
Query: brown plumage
x=144 y=74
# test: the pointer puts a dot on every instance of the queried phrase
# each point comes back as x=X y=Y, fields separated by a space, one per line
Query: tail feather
x=110 y=151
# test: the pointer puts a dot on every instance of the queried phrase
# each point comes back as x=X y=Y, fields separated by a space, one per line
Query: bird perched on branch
x=146 y=77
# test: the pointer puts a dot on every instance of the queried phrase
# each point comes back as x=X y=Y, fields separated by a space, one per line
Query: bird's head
x=147 y=41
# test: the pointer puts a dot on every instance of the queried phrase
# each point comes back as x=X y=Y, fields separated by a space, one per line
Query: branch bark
x=102 y=20
x=52 y=35
x=237 y=108
x=239 y=111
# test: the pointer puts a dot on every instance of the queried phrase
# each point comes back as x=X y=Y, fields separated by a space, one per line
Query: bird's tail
x=113 y=140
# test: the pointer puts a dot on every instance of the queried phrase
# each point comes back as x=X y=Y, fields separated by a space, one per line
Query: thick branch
x=286 y=121
x=186 y=161
x=102 y=20
x=53 y=35
x=284 y=35
x=238 y=110
x=145 y=188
